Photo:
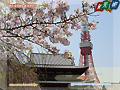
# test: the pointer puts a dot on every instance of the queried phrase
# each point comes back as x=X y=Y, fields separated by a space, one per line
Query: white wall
x=108 y=74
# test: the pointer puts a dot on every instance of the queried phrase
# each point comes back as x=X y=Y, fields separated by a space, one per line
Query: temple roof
x=57 y=66
x=55 y=63
x=42 y=59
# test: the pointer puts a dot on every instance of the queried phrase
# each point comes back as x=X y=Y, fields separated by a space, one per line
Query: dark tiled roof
x=50 y=60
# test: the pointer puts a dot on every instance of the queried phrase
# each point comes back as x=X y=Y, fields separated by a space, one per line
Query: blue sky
x=105 y=38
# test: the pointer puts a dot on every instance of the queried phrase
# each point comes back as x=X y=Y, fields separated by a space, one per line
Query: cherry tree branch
x=14 y=46
x=32 y=42
x=33 y=23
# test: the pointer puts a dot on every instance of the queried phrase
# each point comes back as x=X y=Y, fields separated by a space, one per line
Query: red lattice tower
x=86 y=55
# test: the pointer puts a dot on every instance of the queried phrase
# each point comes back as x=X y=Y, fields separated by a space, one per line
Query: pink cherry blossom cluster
x=67 y=55
x=92 y=25
x=92 y=4
x=61 y=7
x=22 y=27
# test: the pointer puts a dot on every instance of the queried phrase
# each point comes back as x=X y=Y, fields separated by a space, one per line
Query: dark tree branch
x=64 y=21
x=32 y=42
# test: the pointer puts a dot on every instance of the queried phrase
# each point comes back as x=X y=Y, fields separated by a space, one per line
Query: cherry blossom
x=20 y=28
x=92 y=25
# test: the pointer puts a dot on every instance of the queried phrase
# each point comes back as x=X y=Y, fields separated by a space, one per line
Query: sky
x=105 y=38
x=102 y=39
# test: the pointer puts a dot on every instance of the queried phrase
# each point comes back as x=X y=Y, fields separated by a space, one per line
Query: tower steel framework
x=86 y=55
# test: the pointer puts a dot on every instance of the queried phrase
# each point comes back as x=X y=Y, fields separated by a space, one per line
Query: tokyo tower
x=86 y=55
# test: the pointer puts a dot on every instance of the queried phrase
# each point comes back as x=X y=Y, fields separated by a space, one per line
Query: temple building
x=56 y=72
